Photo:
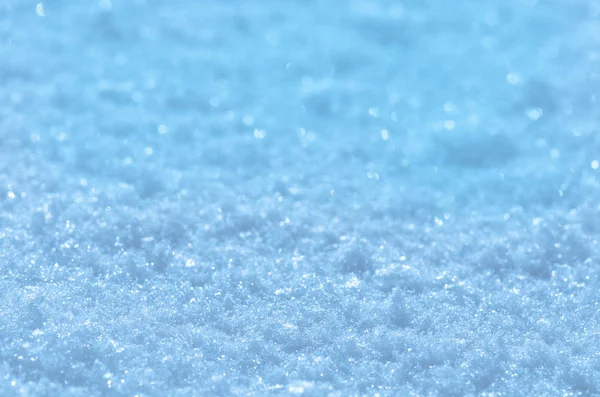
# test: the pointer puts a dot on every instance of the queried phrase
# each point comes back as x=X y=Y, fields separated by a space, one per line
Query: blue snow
x=299 y=197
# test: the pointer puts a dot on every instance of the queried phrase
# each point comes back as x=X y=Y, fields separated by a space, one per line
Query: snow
x=317 y=197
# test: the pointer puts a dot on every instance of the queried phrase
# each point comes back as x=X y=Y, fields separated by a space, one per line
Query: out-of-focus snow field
x=328 y=198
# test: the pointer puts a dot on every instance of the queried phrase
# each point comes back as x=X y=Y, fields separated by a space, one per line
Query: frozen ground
x=329 y=198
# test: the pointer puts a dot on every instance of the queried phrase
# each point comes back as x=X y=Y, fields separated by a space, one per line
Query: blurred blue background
x=314 y=197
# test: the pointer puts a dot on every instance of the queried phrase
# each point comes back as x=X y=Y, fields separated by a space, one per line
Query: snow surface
x=318 y=197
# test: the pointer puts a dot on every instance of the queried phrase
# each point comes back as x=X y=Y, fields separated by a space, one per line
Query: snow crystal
x=324 y=198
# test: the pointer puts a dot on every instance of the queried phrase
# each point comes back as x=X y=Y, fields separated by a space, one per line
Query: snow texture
x=318 y=197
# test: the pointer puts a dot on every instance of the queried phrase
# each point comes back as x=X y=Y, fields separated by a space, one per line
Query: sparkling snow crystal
x=316 y=197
